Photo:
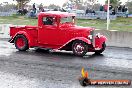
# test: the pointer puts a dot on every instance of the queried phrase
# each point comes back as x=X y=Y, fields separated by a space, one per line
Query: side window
x=49 y=20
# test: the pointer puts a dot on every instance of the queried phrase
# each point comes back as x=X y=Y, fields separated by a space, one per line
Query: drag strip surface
x=60 y=69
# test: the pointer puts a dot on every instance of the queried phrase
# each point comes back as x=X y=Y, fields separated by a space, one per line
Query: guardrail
x=121 y=14
x=96 y=15
x=92 y=16
x=100 y=15
x=8 y=13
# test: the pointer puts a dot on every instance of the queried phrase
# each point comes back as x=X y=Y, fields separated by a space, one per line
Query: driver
x=49 y=21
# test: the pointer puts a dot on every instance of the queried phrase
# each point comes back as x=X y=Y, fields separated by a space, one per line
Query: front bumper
x=99 y=40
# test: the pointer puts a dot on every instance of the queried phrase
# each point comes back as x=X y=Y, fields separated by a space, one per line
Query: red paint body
x=59 y=36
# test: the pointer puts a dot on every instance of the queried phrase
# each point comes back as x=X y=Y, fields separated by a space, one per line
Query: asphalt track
x=60 y=69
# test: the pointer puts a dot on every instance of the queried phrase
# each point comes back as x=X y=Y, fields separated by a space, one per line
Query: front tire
x=101 y=50
x=21 y=43
x=79 y=48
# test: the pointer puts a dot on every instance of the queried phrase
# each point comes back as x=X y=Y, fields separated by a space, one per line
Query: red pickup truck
x=57 y=31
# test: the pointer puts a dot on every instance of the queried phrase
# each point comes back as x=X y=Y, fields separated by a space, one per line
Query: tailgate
x=14 y=30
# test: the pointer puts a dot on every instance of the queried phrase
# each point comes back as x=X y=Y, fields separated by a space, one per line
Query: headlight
x=90 y=37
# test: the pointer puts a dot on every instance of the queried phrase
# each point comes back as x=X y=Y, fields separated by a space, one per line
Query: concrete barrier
x=117 y=38
x=4 y=30
x=97 y=15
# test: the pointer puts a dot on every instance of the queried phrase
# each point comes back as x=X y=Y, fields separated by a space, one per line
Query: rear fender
x=99 y=41
x=20 y=33
x=87 y=41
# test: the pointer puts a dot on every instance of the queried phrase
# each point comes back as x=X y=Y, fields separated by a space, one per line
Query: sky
x=47 y=2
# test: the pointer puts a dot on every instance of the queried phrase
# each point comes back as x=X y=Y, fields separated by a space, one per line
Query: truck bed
x=31 y=31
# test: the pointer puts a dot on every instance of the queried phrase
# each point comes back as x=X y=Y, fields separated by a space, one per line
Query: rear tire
x=100 y=51
x=79 y=48
x=21 y=43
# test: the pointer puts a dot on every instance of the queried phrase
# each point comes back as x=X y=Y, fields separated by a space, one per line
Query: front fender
x=20 y=33
x=74 y=39
x=83 y=39
x=99 y=41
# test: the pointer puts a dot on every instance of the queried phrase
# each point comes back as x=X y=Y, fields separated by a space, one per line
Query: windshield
x=67 y=20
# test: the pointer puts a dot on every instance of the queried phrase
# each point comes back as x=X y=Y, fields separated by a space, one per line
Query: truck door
x=48 y=32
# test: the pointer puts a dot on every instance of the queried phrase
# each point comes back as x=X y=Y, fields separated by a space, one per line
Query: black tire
x=79 y=48
x=24 y=40
x=100 y=51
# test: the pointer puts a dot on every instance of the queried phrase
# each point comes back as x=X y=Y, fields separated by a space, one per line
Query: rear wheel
x=21 y=43
x=79 y=48
x=101 y=50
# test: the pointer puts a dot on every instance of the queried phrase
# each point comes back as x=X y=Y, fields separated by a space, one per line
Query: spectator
x=25 y=11
x=34 y=6
x=34 y=10
x=63 y=10
x=127 y=12
x=93 y=12
x=22 y=11
x=19 y=11
x=55 y=9
x=123 y=8
x=42 y=9
x=113 y=11
x=101 y=8
x=31 y=14
x=119 y=8
x=87 y=11
x=126 y=9
x=49 y=21
x=105 y=8
x=111 y=7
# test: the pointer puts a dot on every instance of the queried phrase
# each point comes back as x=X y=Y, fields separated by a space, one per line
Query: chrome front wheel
x=79 y=48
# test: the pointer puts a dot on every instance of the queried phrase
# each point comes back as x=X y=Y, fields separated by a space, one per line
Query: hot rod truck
x=57 y=31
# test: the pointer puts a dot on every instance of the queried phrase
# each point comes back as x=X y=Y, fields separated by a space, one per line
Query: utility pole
x=108 y=15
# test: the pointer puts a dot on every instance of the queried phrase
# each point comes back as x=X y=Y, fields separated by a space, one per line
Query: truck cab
x=57 y=31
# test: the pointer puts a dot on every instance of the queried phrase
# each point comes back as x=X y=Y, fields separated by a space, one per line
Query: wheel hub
x=20 y=42
x=79 y=48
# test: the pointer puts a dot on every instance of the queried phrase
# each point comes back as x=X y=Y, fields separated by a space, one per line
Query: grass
x=121 y=24
x=18 y=20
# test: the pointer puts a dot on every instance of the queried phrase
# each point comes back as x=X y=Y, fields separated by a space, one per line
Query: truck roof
x=56 y=13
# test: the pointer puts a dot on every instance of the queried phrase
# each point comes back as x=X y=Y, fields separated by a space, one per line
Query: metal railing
x=10 y=13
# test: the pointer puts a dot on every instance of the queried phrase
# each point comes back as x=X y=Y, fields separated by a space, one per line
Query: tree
x=129 y=5
x=21 y=3
x=90 y=4
x=64 y=5
x=75 y=4
x=40 y=6
x=92 y=1
x=96 y=7
x=114 y=3
x=79 y=3
x=52 y=6
x=7 y=7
